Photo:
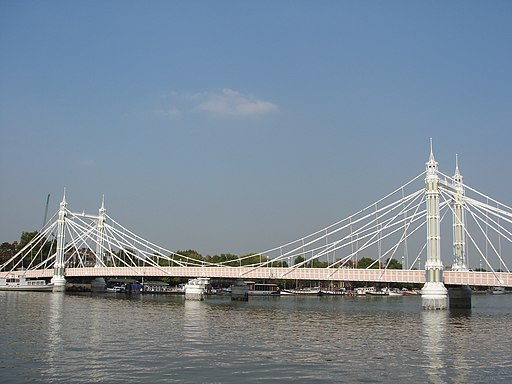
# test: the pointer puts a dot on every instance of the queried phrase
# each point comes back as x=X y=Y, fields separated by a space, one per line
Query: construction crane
x=46 y=210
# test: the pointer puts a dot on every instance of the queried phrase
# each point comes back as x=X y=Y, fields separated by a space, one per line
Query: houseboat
x=262 y=289
x=21 y=283
x=197 y=288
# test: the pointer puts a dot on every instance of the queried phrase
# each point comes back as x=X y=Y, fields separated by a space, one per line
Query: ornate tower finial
x=431 y=163
x=457 y=176
x=102 y=208
x=63 y=202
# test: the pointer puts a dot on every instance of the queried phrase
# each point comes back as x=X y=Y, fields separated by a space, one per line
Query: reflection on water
x=160 y=339
x=459 y=321
x=195 y=328
x=54 y=343
x=433 y=332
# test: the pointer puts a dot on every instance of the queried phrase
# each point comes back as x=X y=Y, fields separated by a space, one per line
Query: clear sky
x=236 y=126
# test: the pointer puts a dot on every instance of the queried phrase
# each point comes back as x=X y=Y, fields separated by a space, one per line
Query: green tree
x=192 y=254
x=26 y=237
x=365 y=262
x=7 y=251
x=225 y=258
x=253 y=258
x=393 y=264
x=299 y=259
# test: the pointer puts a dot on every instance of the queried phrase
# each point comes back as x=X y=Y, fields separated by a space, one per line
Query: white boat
x=305 y=291
x=21 y=283
x=334 y=292
x=378 y=293
x=360 y=291
x=393 y=291
x=498 y=290
x=261 y=289
x=386 y=292
x=195 y=289
x=117 y=289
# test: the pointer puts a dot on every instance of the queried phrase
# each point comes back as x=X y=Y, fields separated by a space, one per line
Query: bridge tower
x=58 y=279
x=458 y=222
x=459 y=296
x=434 y=293
x=98 y=284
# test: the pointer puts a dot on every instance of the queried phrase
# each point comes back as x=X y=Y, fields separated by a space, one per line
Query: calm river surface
x=113 y=338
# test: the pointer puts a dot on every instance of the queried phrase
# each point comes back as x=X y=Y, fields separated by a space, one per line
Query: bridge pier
x=98 y=284
x=460 y=297
x=434 y=295
x=59 y=283
x=239 y=291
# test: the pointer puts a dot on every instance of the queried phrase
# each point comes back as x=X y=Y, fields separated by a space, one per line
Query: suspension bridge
x=405 y=226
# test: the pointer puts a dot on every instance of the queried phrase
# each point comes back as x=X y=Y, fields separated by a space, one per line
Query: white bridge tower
x=434 y=293
x=458 y=222
x=58 y=279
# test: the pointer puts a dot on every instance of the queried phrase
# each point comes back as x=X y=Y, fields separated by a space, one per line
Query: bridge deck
x=319 y=274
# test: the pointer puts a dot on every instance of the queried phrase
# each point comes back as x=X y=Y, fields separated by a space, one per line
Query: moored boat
x=386 y=292
x=377 y=293
x=410 y=292
x=498 y=290
x=306 y=291
x=262 y=289
x=364 y=290
x=333 y=292
x=116 y=289
x=195 y=289
x=393 y=291
x=21 y=283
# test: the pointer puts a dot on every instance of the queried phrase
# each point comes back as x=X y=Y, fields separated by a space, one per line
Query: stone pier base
x=59 y=283
x=434 y=295
x=98 y=285
x=240 y=292
x=459 y=297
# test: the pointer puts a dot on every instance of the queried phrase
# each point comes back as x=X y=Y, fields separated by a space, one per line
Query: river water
x=114 y=338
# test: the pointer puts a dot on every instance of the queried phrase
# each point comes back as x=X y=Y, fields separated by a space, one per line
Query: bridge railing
x=400 y=276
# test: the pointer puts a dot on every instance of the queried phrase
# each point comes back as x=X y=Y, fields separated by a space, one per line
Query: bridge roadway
x=317 y=274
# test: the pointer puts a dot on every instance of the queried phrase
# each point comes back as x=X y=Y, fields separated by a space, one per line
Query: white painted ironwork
x=386 y=231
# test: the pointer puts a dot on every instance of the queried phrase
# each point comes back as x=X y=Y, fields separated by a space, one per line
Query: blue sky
x=235 y=126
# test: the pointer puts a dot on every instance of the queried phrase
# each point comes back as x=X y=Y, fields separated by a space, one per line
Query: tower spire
x=431 y=163
x=457 y=176
x=63 y=202
x=102 y=208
